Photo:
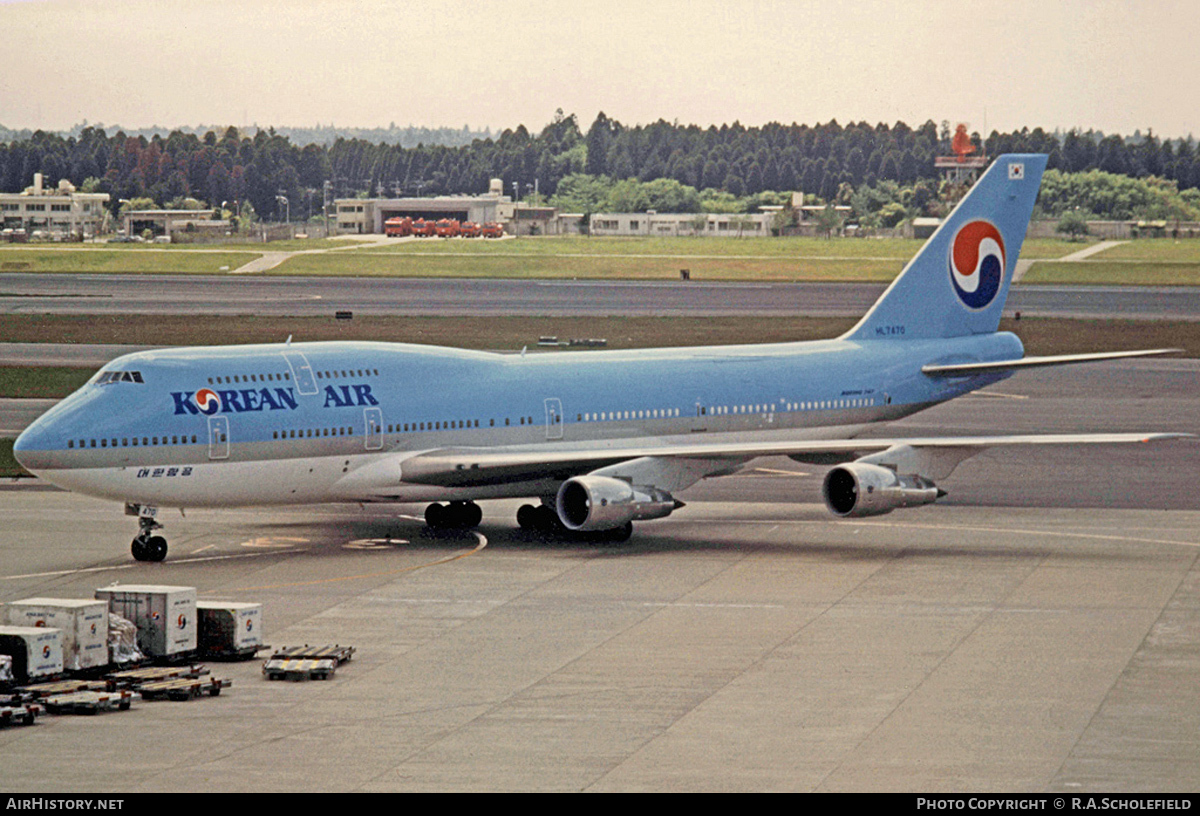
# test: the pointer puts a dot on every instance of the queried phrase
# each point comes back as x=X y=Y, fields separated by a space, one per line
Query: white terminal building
x=675 y=224
x=56 y=211
x=362 y=216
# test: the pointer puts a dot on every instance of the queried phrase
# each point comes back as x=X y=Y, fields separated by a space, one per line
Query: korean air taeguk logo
x=977 y=263
x=207 y=401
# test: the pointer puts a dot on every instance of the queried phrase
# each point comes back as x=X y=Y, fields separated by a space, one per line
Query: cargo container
x=36 y=652
x=229 y=629
x=165 y=616
x=83 y=623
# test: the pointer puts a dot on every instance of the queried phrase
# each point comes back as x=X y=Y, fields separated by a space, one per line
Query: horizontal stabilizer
x=964 y=369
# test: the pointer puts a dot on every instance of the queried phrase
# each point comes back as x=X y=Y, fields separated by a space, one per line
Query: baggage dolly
x=306 y=662
x=88 y=702
x=182 y=688
x=19 y=714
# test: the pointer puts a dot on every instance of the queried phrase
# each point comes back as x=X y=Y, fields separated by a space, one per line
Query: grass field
x=1145 y=262
x=151 y=261
x=41 y=383
x=766 y=259
x=8 y=465
x=798 y=247
x=614 y=267
x=1164 y=250
x=1114 y=273
x=896 y=248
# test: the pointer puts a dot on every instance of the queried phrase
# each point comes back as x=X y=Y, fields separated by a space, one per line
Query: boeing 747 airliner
x=597 y=439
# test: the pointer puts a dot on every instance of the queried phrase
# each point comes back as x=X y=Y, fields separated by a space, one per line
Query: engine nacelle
x=603 y=503
x=863 y=489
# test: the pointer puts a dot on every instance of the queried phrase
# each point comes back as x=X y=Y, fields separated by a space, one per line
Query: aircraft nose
x=21 y=446
x=33 y=443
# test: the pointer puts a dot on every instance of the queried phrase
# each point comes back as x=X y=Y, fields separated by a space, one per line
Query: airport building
x=362 y=216
x=172 y=223
x=682 y=224
x=54 y=211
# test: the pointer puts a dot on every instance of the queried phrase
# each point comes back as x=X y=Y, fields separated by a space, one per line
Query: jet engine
x=862 y=489
x=603 y=503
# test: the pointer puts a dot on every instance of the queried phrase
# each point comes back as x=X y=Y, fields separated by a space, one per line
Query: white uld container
x=228 y=627
x=36 y=651
x=83 y=623
x=165 y=616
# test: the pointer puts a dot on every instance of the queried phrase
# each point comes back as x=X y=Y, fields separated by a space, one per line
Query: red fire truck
x=398 y=227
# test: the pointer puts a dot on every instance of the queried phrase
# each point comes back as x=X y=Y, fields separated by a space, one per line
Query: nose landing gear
x=146 y=546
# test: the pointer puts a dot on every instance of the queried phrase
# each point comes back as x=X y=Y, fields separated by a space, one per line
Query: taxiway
x=1037 y=630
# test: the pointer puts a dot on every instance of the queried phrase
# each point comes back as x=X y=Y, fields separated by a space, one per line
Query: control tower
x=962 y=168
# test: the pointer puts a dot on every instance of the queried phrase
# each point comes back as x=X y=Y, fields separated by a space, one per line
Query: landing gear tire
x=544 y=521
x=435 y=516
x=473 y=514
x=156 y=548
x=538 y=519
x=527 y=517
x=619 y=535
x=453 y=516
x=147 y=547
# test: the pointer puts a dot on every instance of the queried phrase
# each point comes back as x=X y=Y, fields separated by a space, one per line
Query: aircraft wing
x=466 y=467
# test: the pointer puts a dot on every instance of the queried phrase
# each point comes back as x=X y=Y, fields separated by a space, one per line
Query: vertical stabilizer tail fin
x=957 y=283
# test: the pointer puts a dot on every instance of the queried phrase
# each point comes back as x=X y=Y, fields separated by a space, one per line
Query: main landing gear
x=146 y=546
x=453 y=516
x=543 y=520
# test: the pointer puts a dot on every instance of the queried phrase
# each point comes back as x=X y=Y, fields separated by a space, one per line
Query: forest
x=885 y=172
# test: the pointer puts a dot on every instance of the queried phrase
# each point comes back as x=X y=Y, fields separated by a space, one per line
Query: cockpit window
x=106 y=377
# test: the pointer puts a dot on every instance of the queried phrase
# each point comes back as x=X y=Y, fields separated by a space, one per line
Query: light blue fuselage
x=344 y=403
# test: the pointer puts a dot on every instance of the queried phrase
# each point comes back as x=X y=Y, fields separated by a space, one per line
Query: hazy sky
x=1113 y=65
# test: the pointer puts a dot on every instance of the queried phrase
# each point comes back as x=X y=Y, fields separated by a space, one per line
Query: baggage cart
x=165 y=617
x=230 y=630
x=36 y=652
x=83 y=623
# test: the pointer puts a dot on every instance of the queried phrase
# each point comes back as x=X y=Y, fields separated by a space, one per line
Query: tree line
x=877 y=168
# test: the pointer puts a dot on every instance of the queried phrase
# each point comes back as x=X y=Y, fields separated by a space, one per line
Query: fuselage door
x=302 y=373
x=373 y=419
x=218 y=437
x=554 y=418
